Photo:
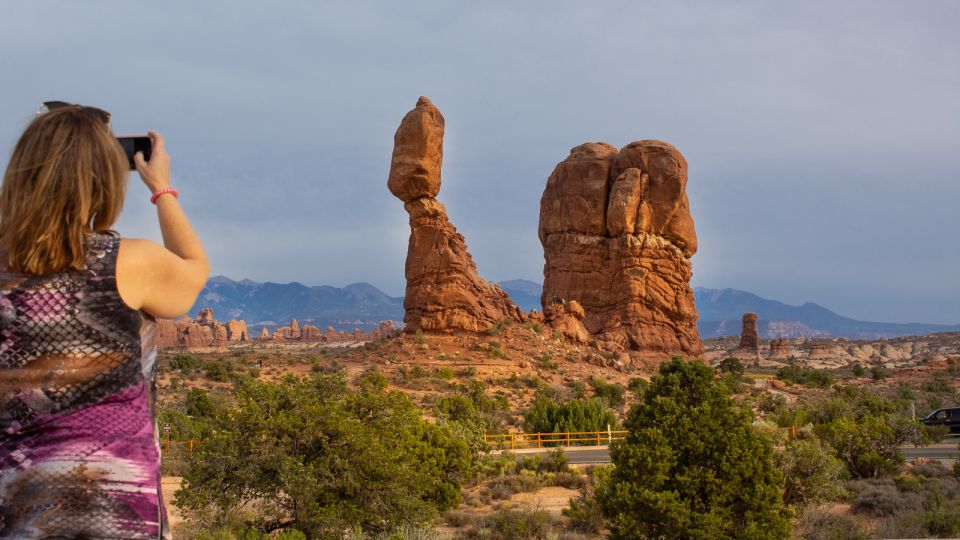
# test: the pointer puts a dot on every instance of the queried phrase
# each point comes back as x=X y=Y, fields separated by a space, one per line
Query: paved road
x=582 y=455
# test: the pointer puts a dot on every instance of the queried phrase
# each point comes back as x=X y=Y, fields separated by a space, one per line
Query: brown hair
x=66 y=178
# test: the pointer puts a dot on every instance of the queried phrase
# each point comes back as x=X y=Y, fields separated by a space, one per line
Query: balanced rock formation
x=618 y=236
x=444 y=291
x=749 y=332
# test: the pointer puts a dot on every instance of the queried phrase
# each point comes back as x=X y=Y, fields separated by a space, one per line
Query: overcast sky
x=823 y=138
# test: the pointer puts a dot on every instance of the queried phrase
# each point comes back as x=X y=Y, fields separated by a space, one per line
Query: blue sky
x=823 y=138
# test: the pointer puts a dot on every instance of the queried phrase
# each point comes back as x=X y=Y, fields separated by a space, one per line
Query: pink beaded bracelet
x=164 y=191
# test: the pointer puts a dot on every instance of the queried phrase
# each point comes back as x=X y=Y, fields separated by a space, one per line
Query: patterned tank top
x=79 y=456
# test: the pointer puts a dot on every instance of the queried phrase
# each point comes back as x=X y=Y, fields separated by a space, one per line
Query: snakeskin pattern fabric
x=79 y=454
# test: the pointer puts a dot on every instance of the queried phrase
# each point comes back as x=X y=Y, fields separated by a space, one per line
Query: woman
x=78 y=446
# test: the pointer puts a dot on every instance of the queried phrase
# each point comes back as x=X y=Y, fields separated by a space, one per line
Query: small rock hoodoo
x=618 y=236
x=444 y=291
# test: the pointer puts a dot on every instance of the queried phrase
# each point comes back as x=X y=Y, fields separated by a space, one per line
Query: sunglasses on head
x=47 y=106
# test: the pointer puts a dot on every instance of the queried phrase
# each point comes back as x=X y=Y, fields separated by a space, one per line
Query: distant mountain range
x=358 y=305
x=721 y=309
x=361 y=305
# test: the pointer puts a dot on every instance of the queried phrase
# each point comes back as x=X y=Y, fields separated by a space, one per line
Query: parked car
x=949 y=417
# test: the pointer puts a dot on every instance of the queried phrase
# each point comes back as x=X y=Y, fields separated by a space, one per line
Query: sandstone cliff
x=618 y=236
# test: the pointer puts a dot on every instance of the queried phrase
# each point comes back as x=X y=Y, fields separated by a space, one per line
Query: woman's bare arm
x=163 y=280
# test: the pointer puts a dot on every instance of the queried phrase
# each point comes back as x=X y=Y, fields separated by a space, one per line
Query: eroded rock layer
x=618 y=236
x=444 y=291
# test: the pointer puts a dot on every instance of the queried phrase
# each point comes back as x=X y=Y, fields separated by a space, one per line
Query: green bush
x=327 y=459
x=810 y=472
x=612 y=393
x=731 y=365
x=184 y=362
x=809 y=377
x=693 y=465
x=198 y=403
x=877 y=373
x=576 y=415
x=218 y=370
x=638 y=386
x=510 y=524
x=937 y=385
x=868 y=445
x=858 y=370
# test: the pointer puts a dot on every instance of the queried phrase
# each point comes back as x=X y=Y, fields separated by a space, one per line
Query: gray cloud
x=822 y=138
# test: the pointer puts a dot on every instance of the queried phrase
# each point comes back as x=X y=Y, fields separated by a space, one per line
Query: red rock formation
x=311 y=333
x=186 y=333
x=566 y=317
x=749 y=335
x=264 y=333
x=294 y=329
x=444 y=291
x=779 y=348
x=237 y=330
x=618 y=236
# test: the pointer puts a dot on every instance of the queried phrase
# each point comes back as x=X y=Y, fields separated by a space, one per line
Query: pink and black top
x=79 y=456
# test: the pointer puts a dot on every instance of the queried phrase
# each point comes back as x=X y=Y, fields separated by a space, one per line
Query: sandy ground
x=168 y=485
x=551 y=499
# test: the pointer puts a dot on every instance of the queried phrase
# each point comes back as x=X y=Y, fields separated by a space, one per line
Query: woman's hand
x=156 y=172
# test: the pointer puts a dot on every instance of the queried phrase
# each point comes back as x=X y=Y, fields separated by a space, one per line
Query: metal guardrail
x=566 y=438
x=169 y=445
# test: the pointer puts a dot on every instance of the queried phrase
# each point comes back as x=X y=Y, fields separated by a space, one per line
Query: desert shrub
x=809 y=377
x=937 y=385
x=499 y=326
x=930 y=469
x=612 y=393
x=491 y=349
x=584 y=511
x=554 y=462
x=510 y=524
x=882 y=500
x=577 y=415
x=579 y=389
x=327 y=459
x=858 y=370
x=638 y=386
x=504 y=487
x=546 y=361
x=877 y=373
x=184 y=362
x=816 y=523
x=770 y=403
x=810 y=472
x=199 y=404
x=445 y=373
x=731 y=365
x=473 y=412
x=869 y=446
x=467 y=372
x=218 y=370
x=665 y=484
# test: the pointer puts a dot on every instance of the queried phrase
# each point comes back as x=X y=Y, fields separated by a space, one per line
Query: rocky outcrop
x=237 y=331
x=566 y=318
x=203 y=333
x=779 y=348
x=444 y=291
x=749 y=332
x=618 y=236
